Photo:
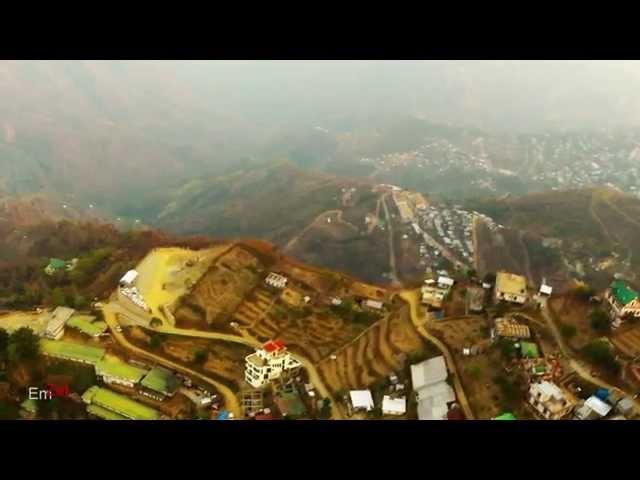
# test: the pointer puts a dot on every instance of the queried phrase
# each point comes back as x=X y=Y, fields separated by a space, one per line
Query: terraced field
x=220 y=291
x=376 y=353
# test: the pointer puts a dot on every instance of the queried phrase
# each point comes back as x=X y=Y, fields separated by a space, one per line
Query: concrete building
x=57 y=321
x=551 y=401
x=433 y=393
x=361 y=400
x=433 y=296
x=276 y=280
x=622 y=302
x=510 y=288
x=159 y=383
x=268 y=363
x=394 y=406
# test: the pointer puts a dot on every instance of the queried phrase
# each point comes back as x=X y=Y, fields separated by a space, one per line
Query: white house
x=361 y=400
x=445 y=282
x=394 y=406
x=276 y=280
x=374 y=304
x=551 y=401
x=545 y=290
x=268 y=363
x=129 y=278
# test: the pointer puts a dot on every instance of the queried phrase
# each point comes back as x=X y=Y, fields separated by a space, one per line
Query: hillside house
x=56 y=265
x=551 y=401
x=622 y=302
x=510 y=288
x=268 y=363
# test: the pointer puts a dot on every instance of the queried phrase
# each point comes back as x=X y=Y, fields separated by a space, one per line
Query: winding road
x=110 y=310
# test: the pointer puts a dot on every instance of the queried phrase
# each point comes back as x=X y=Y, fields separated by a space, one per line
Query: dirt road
x=411 y=297
x=231 y=402
x=245 y=339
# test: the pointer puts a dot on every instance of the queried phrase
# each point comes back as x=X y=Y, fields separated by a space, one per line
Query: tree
x=80 y=302
x=58 y=298
x=155 y=322
x=23 y=345
x=4 y=343
x=599 y=321
x=583 y=292
x=155 y=341
x=599 y=353
x=200 y=357
x=325 y=410
x=568 y=331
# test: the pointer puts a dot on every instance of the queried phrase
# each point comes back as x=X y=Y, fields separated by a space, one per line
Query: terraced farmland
x=376 y=353
x=220 y=291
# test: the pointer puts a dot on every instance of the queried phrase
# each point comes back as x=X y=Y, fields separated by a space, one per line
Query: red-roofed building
x=268 y=363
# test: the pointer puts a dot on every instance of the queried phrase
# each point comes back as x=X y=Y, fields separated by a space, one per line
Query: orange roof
x=273 y=346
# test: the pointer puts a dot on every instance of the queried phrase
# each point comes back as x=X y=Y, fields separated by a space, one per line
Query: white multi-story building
x=276 y=280
x=551 y=401
x=268 y=363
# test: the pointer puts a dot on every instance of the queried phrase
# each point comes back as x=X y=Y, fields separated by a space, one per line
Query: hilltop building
x=57 y=321
x=623 y=302
x=511 y=288
x=268 y=363
x=551 y=401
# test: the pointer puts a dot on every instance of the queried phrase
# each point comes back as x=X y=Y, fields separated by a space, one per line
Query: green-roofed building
x=539 y=370
x=119 y=404
x=623 y=300
x=55 y=265
x=113 y=370
x=103 y=413
x=529 y=350
x=72 y=351
x=88 y=325
x=159 y=384
x=505 y=416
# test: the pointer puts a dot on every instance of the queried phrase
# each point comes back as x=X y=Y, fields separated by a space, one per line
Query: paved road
x=392 y=250
x=411 y=297
x=231 y=402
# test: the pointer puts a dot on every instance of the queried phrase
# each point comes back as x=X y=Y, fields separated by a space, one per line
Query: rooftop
x=119 y=404
x=598 y=406
x=57 y=264
x=622 y=293
x=428 y=372
x=103 y=413
x=361 y=399
x=87 y=325
x=71 y=351
x=273 y=346
x=511 y=283
x=161 y=380
x=119 y=369
x=529 y=350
